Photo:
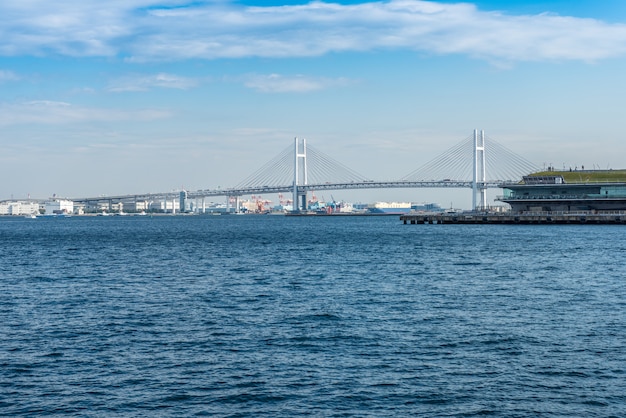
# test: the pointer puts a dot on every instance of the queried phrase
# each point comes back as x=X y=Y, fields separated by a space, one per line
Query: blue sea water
x=277 y=316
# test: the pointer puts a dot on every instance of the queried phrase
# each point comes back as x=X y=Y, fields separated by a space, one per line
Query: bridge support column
x=299 y=174
x=182 y=201
x=480 y=178
x=303 y=204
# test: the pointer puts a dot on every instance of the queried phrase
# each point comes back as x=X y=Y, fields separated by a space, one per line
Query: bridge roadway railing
x=286 y=189
x=333 y=186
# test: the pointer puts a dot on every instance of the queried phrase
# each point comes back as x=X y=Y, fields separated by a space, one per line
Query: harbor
x=617 y=217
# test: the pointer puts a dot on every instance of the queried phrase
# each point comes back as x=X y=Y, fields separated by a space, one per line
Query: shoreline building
x=19 y=207
x=59 y=207
x=571 y=191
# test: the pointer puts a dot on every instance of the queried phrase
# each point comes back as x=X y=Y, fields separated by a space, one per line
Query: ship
x=390 y=208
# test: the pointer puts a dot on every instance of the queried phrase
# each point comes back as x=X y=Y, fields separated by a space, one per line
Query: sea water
x=322 y=316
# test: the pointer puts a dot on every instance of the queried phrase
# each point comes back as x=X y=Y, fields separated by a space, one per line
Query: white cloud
x=52 y=112
x=276 y=83
x=146 y=82
x=141 y=30
x=8 y=76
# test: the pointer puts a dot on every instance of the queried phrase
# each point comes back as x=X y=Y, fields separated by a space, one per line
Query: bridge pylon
x=479 y=182
x=299 y=175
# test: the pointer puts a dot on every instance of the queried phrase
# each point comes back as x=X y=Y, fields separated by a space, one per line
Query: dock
x=545 y=218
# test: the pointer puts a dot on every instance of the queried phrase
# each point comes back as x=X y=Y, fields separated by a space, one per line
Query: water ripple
x=273 y=316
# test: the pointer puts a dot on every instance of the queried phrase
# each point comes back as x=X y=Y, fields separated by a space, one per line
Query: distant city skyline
x=149 y=96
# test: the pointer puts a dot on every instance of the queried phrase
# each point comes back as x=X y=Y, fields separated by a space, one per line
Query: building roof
x=585 y=176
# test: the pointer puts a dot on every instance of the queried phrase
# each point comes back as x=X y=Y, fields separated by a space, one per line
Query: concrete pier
x=516 y=218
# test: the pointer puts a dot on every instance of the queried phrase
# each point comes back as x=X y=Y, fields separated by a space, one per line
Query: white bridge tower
x=299 y=175
x=480 y=179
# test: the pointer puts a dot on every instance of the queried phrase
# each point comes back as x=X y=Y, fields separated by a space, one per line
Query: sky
x=137 y=96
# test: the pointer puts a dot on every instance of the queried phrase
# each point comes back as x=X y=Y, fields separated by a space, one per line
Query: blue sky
x=141 y=96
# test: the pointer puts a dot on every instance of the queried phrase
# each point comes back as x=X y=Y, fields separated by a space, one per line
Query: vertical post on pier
x=479 y=180
x=297 y=179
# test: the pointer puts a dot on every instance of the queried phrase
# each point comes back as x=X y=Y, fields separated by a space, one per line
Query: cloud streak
x=145 y=30
x=148 y=82
x=276 y=83
x=55 y=113
x=8 y=76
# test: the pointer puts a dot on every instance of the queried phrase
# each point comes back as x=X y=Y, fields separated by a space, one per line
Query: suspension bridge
x=476 y=162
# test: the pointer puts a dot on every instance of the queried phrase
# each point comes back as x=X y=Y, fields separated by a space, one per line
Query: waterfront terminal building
x=594 y=191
